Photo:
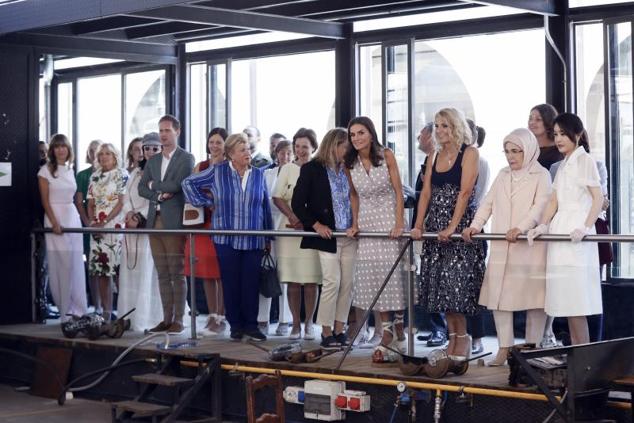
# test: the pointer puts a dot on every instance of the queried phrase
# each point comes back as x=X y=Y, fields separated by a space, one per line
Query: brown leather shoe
x=175 y=327
x=161 y=327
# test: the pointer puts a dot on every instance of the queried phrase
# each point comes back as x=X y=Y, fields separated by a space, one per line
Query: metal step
x=163 y=380
x=142 y=409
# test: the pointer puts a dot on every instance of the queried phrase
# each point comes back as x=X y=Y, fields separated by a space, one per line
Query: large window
x=144 y=103
x=208 y=104
x=98 y=112
x=113 y=108
x=283 y=93
x=494 y=79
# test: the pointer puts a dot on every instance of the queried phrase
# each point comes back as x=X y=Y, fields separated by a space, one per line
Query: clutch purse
x=193 y=216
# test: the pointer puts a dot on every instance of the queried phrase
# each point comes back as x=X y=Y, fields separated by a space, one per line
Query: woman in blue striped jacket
x=240 y=200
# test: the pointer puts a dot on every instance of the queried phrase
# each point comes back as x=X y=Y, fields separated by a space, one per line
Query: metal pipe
x=367 y=313
x=411 y=279
x=389 y=382
x=192 y=286
x=426 y=235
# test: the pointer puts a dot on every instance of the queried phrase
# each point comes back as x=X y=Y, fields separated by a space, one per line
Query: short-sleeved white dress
x=573 y=280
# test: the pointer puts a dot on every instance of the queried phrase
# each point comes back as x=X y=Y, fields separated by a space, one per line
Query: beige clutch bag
x=193 y=216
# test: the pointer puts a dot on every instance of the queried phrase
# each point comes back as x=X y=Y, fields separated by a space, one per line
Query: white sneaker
x=548 y=341
x=372 y=342
x=309 y=332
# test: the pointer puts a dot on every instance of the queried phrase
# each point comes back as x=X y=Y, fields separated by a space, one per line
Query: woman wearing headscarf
x=515 y=275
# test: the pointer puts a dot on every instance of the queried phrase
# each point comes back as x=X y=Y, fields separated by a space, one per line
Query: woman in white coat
x=515 y=274
x=573 y=280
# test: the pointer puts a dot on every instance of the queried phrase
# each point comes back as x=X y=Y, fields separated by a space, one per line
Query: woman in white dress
x=138 y=280
x=283 y=153
x=298 y=268
x=67 y=279
x=573 y=280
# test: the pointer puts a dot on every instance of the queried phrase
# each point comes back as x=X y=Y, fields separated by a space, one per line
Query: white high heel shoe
x=463 y=357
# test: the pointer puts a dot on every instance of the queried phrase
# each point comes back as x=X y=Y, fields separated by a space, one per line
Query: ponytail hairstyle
x=572 y=127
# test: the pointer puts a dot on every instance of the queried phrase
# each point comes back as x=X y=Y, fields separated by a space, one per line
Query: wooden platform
x=358 y=362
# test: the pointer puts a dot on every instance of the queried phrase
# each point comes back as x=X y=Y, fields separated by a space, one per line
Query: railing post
x=411 y=280
x=192 y=285
x=33 y=278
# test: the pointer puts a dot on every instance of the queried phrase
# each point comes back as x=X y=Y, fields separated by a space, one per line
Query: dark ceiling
x=174 y=21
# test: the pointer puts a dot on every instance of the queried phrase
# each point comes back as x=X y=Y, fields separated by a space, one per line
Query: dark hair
x=217 y=130
x=548 y=114
x=57 y=140
x=276 y=135
x=129 y=152
x=176 y=124
x=281 y=145
x=572 y=127
x=376 y=149
x=306 y=133
x=481 y=135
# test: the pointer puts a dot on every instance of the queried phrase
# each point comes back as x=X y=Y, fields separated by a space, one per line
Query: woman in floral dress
x=105 y=201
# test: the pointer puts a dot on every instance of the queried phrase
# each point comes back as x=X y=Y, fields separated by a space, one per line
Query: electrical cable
x=62 y=396
x=120 y=357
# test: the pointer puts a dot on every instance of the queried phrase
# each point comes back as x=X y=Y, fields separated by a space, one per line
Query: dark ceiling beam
x=162 y=28
x=108 y=24
x=212 y=34
x=112 y=49
x=391 y=11
x=540 y=7
x=30 y=14
x=246 y=20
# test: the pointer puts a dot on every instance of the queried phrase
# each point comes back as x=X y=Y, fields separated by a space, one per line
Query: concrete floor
x=21 y=407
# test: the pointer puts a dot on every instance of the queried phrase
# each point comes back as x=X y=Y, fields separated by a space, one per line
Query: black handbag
x=269 y=282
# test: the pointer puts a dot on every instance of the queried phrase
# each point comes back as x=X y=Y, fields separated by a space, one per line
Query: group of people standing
x=347 y=182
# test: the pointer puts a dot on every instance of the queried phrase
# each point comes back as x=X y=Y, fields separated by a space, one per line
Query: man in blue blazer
x=161 y=184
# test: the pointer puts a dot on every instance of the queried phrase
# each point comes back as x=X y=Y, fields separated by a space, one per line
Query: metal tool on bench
x=293 y=353
x=435 y=365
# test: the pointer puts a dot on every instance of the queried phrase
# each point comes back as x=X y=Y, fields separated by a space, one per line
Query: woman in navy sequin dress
x=451 y=271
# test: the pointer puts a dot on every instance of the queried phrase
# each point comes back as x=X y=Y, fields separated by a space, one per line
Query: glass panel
x=620 y=78
x=144 y=103
x=397 y=108
x=370 y=91
x=65 y=112
x=43 y=112
x=198 y=110
x=494 y=79
x=98 y=112
x=283 y=93
x=218 y=95
x=590 y=86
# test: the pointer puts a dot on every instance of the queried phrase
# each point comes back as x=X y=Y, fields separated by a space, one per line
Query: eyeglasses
x=153 y=148
x=513 y=152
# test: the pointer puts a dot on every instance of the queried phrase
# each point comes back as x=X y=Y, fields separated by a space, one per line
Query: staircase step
x=142 y=409
x=163 y=380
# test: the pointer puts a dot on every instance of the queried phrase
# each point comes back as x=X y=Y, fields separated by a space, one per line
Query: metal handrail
x=294 y=233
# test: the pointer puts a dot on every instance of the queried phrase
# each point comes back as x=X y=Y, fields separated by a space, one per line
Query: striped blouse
x=235 y=208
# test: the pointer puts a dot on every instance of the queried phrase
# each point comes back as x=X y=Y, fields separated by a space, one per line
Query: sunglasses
x=153 y=148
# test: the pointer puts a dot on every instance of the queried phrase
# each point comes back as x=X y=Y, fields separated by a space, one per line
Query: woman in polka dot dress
x=377 y=206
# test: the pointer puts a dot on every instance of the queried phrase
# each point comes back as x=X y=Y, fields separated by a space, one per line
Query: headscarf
x=524 y=139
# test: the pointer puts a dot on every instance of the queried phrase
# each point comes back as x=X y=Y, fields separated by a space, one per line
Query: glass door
x=619 y=142
x=397 y=106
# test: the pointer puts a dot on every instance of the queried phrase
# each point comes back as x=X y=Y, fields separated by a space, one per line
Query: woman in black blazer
x=321 y=201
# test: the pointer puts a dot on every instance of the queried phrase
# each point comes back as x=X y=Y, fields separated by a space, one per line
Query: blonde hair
x=107 y=148
x=233 y=140
x=458 y=126
x=327 y=153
